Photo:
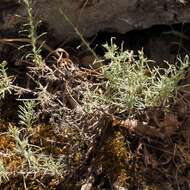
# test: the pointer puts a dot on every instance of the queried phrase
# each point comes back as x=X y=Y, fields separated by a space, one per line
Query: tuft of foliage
x=3 y=172
x=27 y=114
x=5 y=80
x=35 y=55
x=130 y=84
x=32 y=159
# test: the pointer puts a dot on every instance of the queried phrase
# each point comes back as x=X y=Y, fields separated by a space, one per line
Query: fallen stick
x=141 y=128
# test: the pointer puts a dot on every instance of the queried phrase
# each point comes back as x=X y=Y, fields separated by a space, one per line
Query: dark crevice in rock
x=160 y=42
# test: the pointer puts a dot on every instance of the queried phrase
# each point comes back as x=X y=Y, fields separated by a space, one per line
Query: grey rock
x=92 y=16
